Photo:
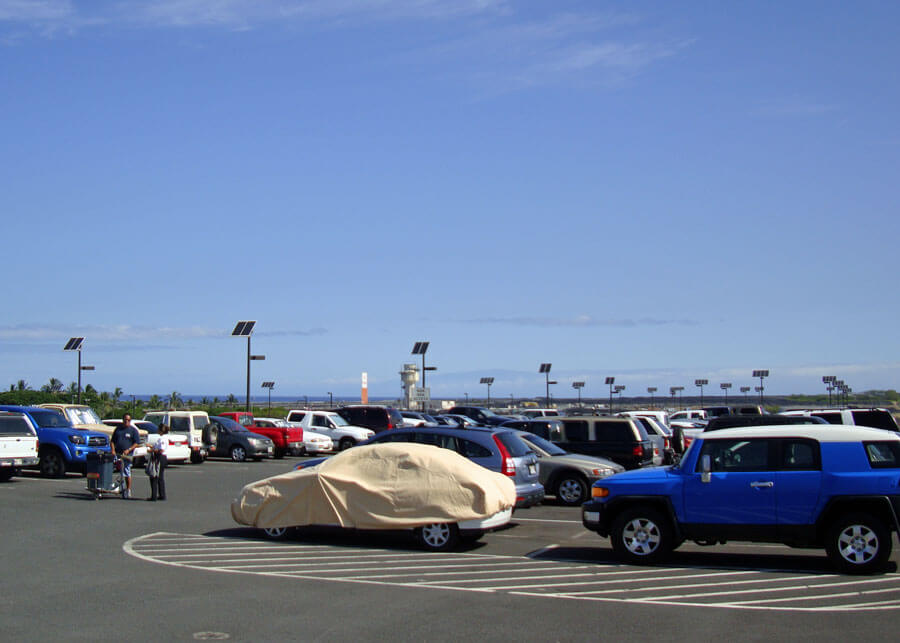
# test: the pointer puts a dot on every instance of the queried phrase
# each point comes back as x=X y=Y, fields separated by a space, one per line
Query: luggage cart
x=100 y=468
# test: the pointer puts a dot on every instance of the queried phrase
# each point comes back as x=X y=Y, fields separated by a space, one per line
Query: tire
x=572 y=489
x=6 y=474
x=858 y=543
x=278 y=453
x=196 y=458
x=52 y=463
x=238 y=453
x=642 y=536
x=276 y=533
x=346 y=443
x=440 y=536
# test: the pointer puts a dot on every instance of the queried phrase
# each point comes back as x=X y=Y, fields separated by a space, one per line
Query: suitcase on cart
x=99 y=471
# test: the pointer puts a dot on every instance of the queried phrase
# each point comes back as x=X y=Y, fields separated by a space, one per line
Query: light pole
x=269 y=385
x=419 y=348
x=74 y=344
x=618 y=391
x=829 y=380
x=545 y=369
x=578 y=386
x=488 y=381
x=245 y=329
x=330 y=400
x=651 y=390
x=674 y=390
x=761 y=374
x=609 y=382
x=745 y=390
x=725 y=386
x=701 y=384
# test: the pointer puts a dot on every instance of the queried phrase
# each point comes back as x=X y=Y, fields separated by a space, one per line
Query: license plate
x=592 y=516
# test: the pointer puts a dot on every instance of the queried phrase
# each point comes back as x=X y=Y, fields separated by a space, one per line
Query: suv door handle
x=757 y=485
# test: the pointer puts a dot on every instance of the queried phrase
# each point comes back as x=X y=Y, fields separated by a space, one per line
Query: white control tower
x=409 y=376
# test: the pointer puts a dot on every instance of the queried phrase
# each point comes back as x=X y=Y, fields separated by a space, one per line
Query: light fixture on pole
x=672 y=391
x=618 y=390
x=74 y=344
x=545 y=368
x=245 y=329
x=609 y=382
x=269 y=385
x=488 y=381
x=725 y=386
x=701 y=384
x=761 y=374
x=330 y=400
x=677 y=389
x=829 y=380
x=839 y=388
x=745 y=390
x=419 y=348
x=651 y=390
x=578 y=386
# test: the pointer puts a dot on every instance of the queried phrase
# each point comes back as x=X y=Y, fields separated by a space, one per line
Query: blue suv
x=831 y=487
x=62 y=447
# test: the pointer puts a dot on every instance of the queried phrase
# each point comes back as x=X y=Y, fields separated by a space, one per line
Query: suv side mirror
x=705 y=469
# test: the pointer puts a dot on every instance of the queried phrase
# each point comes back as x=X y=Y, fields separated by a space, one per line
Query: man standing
x=125 y=439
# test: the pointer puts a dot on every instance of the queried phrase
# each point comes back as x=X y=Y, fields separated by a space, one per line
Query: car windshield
x=50 y=419
x=543 y=445
x=338 y=420
x=231 y=425
x=488 y=413
x=83 y=416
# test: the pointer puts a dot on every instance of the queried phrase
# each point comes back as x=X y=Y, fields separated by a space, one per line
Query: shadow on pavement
x=724 y=561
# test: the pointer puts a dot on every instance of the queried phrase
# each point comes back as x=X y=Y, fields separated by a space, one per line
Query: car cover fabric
x=378 y=486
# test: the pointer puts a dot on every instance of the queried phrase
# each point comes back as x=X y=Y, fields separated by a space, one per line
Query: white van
x=190 y=423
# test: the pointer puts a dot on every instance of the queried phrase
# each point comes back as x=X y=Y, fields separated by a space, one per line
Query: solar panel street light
x=701 y=384
x=419 y=348
x=725 y=386
x=651 y=390
x=609 y=382
x=269 y=385
x=578 y=386
x=761 y=374
x=545 y=368
x=745 y=390
x=244 y=328
x=488 y=381
x=74 y=344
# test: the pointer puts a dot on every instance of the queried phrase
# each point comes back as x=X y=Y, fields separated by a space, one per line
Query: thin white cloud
x=128 y=333
x=583 y=321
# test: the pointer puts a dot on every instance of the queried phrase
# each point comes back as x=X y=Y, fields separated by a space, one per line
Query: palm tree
x=22 y=385
x=154 y=402
x=53 y=386
x=175 y=400
x=117 y=394
x=232 y=400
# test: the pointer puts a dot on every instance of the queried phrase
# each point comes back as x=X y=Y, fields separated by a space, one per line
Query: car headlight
x=77 y=439
x=603 y=472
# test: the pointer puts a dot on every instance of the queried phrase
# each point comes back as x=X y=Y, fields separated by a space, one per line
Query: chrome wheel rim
x=436 y=535
x=641 y=536
x=275 y=532
x=238 y=454
x=858 y=544
x=570 y=490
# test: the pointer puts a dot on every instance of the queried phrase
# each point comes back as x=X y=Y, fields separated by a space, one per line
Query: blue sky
x=655 y=191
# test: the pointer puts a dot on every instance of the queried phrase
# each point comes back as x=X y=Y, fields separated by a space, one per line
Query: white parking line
x=768 y=589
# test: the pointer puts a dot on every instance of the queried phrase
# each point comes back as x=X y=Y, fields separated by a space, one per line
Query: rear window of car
x=514 y=444
x=875 y=419
x=13 y=425
x=396 y=418
x=180 y=423
x=883 y=455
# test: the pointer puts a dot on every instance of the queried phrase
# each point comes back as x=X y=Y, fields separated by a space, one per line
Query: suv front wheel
x=858 y=544
x=642 y=535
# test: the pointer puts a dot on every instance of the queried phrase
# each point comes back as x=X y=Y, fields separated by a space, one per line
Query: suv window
x=736 y=455
x=614 y=432
x=471 y=449
x=883 y=455
x=875 y=419
x=831 y=418
x=13 y=425
x=577 y=431
x=514 y=444
x=296 y=416
x=49 y=419
x=321 y=420
x=800 y=455
x=180 y=424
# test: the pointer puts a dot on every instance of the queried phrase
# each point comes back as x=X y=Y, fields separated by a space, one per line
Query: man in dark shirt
x=125 y=439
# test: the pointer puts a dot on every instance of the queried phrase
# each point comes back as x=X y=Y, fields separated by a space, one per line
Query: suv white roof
x=819 y=432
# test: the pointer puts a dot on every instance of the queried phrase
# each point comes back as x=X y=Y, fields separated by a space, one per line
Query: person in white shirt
x=158 y=454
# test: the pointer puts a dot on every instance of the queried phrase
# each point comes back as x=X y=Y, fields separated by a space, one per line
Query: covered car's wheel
x=858 y=544
x=439 y=536
x=642 y=535
x=238 y=453
x=52 y=464
x=276 y=533
x=346 y=443
x=572 y=490
x=6 y=474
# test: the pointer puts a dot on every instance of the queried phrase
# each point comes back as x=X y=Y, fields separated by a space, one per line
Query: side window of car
x=737 y=455
x=614 y=432
x=875 y=419
x=800 y=455
x=883 y=455
x=577 y=431
x=321 y=420
x=831 y=418
x=180 y=424
x=471 y=449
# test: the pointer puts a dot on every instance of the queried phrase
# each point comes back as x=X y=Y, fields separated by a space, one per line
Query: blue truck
x=62 y=447
x=811 y=486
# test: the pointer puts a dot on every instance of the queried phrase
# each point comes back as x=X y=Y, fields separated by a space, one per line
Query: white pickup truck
x=18 y=444
x=329 y=423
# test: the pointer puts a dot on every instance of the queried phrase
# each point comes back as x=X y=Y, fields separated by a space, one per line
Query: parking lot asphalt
x=82 y=569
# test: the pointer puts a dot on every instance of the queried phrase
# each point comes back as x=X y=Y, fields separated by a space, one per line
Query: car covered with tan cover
x=436 y=492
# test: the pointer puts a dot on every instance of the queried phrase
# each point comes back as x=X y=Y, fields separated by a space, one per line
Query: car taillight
x=507 y=464
x=638 y=450
x=301 y=435
x=666 y=442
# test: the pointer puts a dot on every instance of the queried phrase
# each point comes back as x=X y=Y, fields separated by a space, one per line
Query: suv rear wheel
x=858 y=543
x=642 y=535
